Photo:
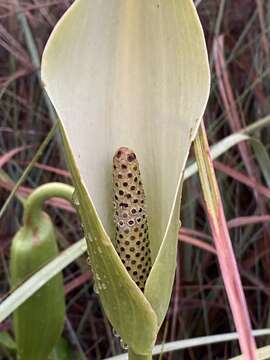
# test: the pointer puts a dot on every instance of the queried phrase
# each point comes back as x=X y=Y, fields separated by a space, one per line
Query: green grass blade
x=195 y=342
x=36 y=281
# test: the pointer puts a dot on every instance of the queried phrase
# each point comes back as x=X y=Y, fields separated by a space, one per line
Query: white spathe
x=129 y=73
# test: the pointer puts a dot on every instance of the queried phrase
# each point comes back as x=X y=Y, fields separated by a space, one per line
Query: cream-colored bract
x=133 y=73
x=130 y=73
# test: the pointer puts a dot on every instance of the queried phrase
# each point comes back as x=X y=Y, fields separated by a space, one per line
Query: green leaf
x=61 y=351
x=263 y=159
x=218 y=149
x=41 y=277
x=7 y=343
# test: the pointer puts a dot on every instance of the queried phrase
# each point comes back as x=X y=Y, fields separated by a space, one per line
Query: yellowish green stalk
x=133 y=356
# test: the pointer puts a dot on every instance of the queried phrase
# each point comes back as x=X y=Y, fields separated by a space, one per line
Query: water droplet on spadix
x=75 y=199
x=96 y=291
x=115 y=333
x=123 y=345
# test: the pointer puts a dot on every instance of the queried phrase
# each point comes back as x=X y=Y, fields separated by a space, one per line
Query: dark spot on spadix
x=131 y=157
x=124 y=205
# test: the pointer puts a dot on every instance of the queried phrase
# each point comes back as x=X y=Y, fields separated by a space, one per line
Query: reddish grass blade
x=61 y=204
x=77 y=282
x=25 y=192
x=193 y=232
x=265 y=42
x=229 y=101
x=12 y=45
x=223 y=245
x=235 y=118
x=187 y=235
x=248 y=220
x=250 y=182
x=50 y=169
x=198 y=243
x=6 y=81
x=9 y=155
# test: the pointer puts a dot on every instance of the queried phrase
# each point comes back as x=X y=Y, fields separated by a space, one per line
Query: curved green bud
x=39 y=321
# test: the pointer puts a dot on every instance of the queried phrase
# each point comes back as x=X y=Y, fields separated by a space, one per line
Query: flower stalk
x=35 y=202
x=133 y=356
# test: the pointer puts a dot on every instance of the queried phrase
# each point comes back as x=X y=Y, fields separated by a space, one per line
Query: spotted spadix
x=130 y=216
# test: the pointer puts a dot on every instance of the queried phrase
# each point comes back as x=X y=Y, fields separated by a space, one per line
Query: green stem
x=133 y=356
x=34 y=203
